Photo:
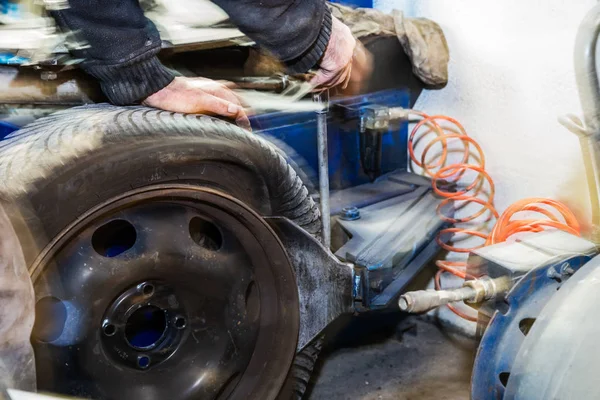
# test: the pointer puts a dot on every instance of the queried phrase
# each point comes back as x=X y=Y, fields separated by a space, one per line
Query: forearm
x=119 y=47
x=296 y=31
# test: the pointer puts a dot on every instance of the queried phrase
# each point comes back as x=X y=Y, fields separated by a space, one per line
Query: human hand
x=199 y=96
x=346 y=63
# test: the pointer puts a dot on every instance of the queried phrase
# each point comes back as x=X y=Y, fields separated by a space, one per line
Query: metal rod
x=323 y=99
x=585 y=69
x=275 y=84
x=588 y=83
x=425 y=300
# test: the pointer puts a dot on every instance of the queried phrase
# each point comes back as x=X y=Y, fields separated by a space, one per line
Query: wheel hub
x=165 y=292
x=144 y=326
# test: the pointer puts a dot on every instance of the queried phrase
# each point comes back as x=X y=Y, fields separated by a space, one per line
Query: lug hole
x=504 y=376
x=525 y=325
x=109 y=329
x=205 y=234
x=148 y=289
x=143 y=362
x=114 y=238
x=180 y=323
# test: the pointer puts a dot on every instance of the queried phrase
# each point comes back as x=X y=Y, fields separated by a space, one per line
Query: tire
x=65 y=164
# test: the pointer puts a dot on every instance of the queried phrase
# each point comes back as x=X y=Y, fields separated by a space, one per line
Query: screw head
x=552 y=273
x=350 y=214
x=566 y=269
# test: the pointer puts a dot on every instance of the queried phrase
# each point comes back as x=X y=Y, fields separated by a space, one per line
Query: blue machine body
x=356 y=3
x=507 y=330
x=298 y=131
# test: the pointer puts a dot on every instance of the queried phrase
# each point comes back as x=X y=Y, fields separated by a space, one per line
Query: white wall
x=511 y=76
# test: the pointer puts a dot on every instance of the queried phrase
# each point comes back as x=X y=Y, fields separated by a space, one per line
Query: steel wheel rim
x=261 y=362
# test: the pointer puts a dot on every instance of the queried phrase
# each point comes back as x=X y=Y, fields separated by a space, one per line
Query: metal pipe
x=585 y=69
x=323 y=100
x=473 y=291
x=20 y=86
x=275 y=84
x=588 y=84
x=425 y=300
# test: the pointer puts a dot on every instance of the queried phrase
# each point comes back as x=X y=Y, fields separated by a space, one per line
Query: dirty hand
x=199 y=96
x=346 y=63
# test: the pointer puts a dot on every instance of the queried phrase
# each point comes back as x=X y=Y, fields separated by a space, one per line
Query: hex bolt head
x=553 y=274
x=566 y=269
x=350 y=214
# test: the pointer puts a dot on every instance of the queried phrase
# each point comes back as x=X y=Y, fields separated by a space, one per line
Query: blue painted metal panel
x=356 y=3
x=298 y=131
x=503 y=337
x=6 y=128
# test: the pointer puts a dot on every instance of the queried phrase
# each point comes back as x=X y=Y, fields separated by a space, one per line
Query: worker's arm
x=295 y=31
x=304 y=35
x=120 y=48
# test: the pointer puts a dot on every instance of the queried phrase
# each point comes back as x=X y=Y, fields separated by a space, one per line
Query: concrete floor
x=424 y=362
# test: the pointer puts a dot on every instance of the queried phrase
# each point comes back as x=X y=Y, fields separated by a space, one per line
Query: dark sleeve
x=119 y=47
x=295 y=31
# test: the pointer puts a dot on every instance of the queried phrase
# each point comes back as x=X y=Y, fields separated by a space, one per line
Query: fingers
x=362 y=62
x=212 y=105
x=344 y=84
x=200 y=96
x=358 y=73
x=215 y=98
x=219 y=89
x=320 y=78
x=222 y=90
x=326 y=79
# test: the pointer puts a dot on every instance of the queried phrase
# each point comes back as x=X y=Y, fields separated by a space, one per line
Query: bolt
x=566 y=269
x=376 y=285
x=553 y=274
x=350 y=214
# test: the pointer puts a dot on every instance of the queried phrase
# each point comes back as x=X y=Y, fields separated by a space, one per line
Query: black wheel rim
x=169 y=291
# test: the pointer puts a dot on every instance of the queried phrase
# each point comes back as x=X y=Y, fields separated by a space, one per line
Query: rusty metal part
x=325 y=284
x=23 y=86
x=273 y=84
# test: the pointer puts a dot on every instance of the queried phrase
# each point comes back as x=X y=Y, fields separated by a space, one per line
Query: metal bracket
x=325 y=284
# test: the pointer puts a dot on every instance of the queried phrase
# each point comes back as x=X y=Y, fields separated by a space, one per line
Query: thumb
x=320 y=78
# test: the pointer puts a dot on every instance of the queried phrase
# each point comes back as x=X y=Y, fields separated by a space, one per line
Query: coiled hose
x=467 y=182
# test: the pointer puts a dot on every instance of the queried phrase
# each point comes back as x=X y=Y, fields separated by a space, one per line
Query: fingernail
x=232 y=108
x=243 y=123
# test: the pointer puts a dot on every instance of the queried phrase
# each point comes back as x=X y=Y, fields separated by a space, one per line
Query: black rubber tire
x=63 y=165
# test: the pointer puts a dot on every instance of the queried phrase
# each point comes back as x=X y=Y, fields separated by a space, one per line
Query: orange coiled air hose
x=466 y=182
